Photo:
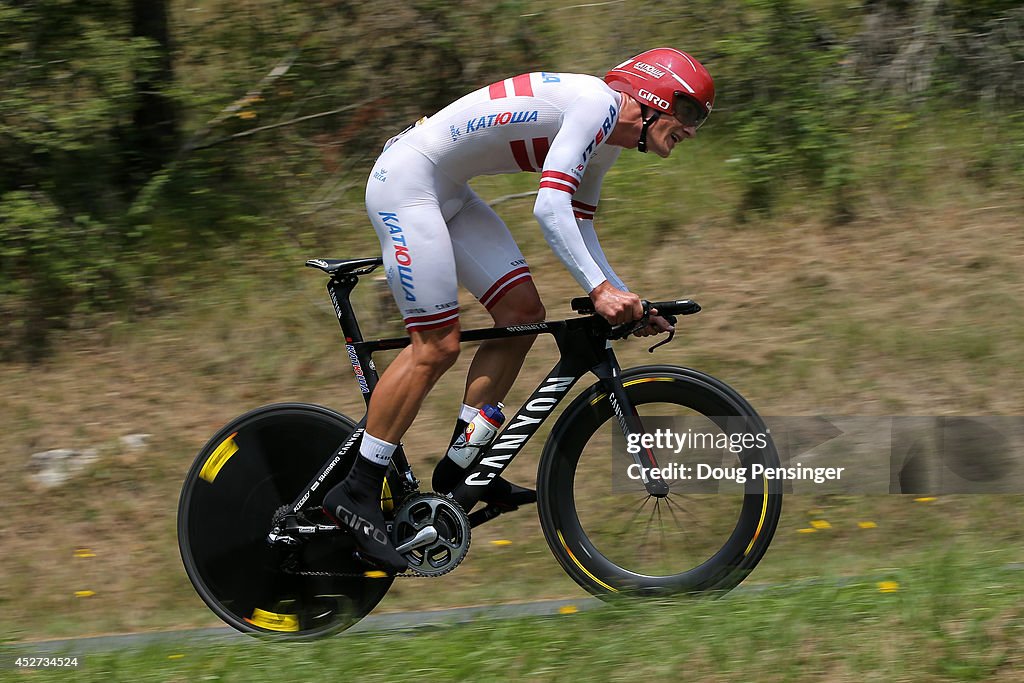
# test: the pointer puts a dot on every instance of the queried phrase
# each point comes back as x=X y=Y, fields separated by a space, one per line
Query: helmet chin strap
x=641 y=145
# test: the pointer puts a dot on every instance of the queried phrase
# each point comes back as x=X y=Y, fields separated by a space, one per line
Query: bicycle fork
x=608 y=372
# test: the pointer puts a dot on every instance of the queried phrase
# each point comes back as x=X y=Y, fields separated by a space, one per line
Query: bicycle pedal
x=372 y=570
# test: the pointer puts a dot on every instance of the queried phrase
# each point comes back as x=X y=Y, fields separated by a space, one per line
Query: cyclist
x=435 y=232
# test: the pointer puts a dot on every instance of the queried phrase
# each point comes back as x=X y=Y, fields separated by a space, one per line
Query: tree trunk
x=155 y=134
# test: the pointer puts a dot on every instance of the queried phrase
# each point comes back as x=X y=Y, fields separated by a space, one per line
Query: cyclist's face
x=665 y=133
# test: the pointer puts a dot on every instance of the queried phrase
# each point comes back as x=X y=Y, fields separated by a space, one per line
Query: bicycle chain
x=354 y=575
x=362 y=575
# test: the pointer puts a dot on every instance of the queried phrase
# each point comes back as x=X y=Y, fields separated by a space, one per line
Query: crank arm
x=424 y=536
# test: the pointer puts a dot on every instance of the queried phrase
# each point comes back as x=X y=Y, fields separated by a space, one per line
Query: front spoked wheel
x=245 y=473
x=707 y=534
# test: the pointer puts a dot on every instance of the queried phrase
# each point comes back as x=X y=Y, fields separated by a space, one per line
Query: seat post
x=340 y=288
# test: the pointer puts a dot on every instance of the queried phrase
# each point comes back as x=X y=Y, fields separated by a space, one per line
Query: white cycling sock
x=376 y=451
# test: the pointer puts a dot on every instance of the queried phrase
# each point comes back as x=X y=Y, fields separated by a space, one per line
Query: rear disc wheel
x=252 y=467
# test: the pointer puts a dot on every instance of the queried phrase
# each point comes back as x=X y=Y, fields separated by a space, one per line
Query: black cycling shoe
x=505 y=494
x=500 y=492
x=365 y=521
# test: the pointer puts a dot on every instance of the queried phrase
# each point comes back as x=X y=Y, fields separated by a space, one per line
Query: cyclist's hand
x=655 y=325
x=615 y=305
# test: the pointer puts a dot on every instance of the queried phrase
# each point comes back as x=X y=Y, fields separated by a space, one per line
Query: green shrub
x=787 y=107
x=50 y=265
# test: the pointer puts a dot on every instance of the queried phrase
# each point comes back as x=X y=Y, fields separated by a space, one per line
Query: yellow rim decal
x=387 y=501
x=584 y=569
x=630 y=383
x=274 y=622
x=221 y=455
x=760 y=523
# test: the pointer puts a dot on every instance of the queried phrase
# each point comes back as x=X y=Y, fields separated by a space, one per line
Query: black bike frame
x=584 y=347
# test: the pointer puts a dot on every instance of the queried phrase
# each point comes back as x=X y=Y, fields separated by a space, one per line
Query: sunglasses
x=689 y=113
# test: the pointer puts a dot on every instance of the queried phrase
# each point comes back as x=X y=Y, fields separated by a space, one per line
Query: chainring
x=432 y=532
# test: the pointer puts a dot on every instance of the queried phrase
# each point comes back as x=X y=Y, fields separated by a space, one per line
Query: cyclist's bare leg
x=494 y=369
x=402 y=387
x=354 y=503
x=498 y=361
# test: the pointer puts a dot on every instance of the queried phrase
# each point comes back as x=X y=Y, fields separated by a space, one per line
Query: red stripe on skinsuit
x=519 y=152
x=558 y=175
x=540 y=150
x=521 y=85
x=430 y=316
x=557 y=186
x=432 y=326
x=497 y=90
x=503 y=279
x=505 y=289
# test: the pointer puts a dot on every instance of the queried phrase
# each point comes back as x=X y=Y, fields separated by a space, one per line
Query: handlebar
x=666 y=309
x=585 y=306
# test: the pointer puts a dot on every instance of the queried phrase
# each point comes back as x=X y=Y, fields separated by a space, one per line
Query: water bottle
x=478 y=435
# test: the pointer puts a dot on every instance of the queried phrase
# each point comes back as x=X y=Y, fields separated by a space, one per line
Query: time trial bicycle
x=262 y=555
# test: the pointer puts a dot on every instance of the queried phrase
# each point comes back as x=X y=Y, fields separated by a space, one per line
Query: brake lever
x=626 y=329
x=671 y=319
x=664 y=341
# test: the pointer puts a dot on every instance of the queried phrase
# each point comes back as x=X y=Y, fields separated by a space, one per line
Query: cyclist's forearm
x=554 y=213
x=586 y=227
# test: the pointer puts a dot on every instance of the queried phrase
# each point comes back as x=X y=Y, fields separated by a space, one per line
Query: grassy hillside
x=912 y=312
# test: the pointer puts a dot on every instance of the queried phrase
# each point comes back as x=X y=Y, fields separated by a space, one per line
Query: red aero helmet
x=658 y=76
